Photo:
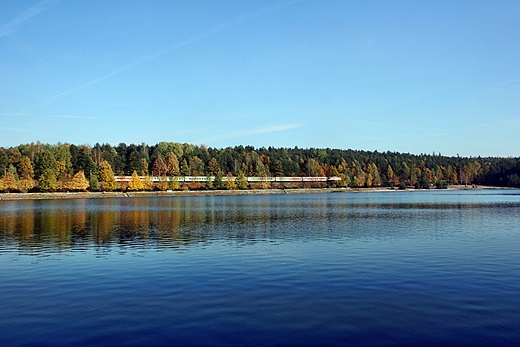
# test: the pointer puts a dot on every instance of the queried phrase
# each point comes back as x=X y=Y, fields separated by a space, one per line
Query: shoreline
x=103 y=195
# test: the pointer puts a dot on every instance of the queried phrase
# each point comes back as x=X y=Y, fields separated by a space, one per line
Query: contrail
x=265 y=130
x=193 y=39
x=506 y=82
x=10 y=27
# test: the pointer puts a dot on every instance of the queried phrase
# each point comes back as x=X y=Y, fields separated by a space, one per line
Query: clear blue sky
x=407 y=76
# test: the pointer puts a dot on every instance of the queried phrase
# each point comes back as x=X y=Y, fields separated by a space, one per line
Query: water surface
x=363 y=269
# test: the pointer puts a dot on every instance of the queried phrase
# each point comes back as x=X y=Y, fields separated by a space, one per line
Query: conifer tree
x=218 y=182
x=185 y=169
x=4 y=161
x=47 y=181
x=241 y=180
x=196 y=166
x=93 y=183
x=45 y=160
x=213 y=166
x=209 y=183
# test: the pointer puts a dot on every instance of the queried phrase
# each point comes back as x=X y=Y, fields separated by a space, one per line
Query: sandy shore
x=99 y=195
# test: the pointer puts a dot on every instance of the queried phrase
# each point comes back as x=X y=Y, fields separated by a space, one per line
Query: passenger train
x=225 y=178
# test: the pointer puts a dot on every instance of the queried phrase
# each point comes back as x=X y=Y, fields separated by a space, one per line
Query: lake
x=406 y=268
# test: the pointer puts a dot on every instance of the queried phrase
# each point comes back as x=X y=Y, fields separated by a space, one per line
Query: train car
x=314 y=179
x=288 y=179
x=260 y=179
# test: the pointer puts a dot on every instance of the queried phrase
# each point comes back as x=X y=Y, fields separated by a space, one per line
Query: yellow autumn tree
x=106 y=176
x=25 y=184
x=26 y=172
x=9 y=181
x=78 y=182
x=230 y=182
x=174 y=184
x=162 y=185
x=391 y=177
x=147 y=183
x=135 y=182
x=264 y=183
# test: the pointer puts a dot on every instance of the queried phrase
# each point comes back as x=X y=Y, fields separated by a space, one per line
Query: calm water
x=361 y=269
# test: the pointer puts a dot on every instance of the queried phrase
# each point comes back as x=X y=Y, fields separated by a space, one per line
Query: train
x=225 y=178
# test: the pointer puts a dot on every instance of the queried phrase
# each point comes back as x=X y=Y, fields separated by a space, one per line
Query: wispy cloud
x=273 y=129
x=246 y=17
x=507 y=82
x=44 y=115
x=263 y=130
x=11 y=27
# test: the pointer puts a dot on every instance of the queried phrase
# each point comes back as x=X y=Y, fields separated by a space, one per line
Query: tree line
x=69 y=167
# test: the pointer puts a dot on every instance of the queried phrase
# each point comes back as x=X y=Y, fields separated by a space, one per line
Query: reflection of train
x=225 y=178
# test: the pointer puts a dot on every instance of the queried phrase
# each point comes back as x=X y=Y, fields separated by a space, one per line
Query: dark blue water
x=360 y=269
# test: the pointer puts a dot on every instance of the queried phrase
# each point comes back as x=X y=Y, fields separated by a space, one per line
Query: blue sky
x=406 y=76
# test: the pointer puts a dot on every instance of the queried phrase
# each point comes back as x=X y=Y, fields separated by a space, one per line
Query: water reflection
x=182 y=221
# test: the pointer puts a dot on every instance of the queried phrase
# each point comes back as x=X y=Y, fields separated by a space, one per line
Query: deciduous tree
x=26 y=171
x=162 y=185
x=230 y=182
x=25 y=184
x=172 y=164
x=159 y=168
x=135 y=182
x=10 y=181
x=78 y=182
x=106 y=176
x=174 y=184
x=147 y=183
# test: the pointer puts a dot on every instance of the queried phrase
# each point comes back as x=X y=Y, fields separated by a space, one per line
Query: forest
x=38 y=167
